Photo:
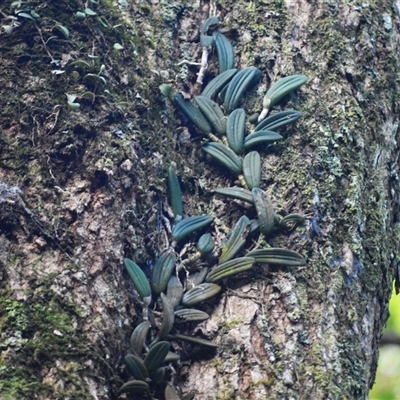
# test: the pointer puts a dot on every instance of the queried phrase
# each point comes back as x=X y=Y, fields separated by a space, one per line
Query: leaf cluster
x=185 y=276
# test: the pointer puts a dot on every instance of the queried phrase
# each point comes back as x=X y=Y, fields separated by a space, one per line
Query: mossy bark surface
x=80 y=188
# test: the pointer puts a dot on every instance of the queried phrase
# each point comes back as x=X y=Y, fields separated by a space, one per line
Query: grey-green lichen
x=40 y=332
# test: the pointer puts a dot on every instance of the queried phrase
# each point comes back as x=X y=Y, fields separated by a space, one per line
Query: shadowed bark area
x=80 y=188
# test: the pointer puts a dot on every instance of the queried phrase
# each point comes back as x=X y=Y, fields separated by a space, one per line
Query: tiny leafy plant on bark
x=181 y=280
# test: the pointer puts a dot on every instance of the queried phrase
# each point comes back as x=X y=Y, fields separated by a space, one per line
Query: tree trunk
x=81 y=188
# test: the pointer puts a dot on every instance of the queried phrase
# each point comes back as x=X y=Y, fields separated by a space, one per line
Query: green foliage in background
x=387 y=384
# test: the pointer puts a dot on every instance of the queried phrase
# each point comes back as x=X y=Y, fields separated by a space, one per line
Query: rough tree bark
x=80 y=189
